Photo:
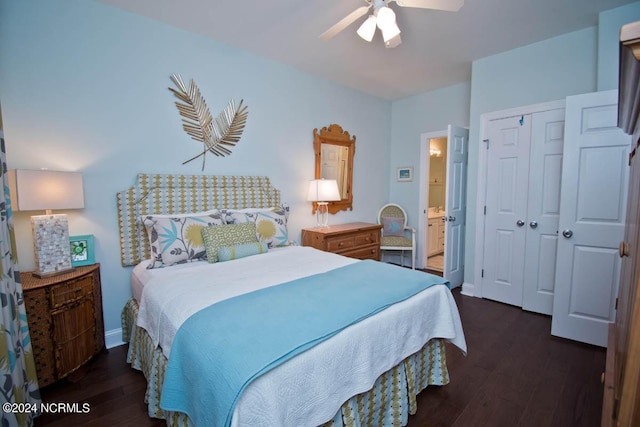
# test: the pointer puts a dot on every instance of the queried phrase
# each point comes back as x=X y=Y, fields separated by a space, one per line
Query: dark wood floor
x=515 y=374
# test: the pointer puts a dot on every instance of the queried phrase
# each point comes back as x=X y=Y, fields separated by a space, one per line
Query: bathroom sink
x=433 y=214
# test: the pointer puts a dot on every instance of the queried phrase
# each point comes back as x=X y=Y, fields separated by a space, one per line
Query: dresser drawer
x=356 y=239
x=371 y=252
x=71 y=291
x=339 y=243
x=367 y=238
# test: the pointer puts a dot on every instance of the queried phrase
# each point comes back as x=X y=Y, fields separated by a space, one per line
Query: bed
x=355 y=375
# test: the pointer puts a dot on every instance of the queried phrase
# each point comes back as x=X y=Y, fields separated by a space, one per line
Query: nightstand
x=356 y=240
x=64 y=313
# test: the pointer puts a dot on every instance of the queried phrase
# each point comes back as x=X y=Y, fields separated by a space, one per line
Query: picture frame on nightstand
x=82 y=250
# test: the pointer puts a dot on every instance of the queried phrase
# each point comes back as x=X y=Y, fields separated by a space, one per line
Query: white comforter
x=308 y=389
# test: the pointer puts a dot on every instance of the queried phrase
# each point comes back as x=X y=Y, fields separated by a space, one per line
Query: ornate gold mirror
x=334 y=151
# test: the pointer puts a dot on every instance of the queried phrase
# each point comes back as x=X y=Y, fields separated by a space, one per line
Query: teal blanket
x=219 y=350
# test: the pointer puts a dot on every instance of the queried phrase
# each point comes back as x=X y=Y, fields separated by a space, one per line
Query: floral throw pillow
x=176 y=239
x=271 y=223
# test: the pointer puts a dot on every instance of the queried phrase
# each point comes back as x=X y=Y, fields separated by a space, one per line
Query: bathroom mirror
x=436 y=181
x=334 y=150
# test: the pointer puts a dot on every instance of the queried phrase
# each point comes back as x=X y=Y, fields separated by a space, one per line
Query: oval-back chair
x=396 y=234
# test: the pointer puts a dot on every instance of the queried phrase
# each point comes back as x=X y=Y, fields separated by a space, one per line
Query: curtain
x=18 y=381
x=629 y=90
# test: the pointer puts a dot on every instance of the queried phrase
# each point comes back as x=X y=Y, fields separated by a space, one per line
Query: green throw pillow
x=227 y=235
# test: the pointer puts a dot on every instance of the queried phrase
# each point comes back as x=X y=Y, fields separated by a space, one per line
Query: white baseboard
x=468 y=289
x=113 y=338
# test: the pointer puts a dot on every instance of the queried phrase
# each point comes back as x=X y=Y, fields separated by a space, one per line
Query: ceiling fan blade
x=344 y=22
x=448 y=5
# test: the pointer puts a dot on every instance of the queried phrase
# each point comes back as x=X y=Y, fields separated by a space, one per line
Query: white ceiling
x=436 y=51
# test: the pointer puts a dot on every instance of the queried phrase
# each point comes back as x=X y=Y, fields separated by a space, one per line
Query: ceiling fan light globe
x=385 y=17
x=393 y=42
x=368 y=28
x=390 y=32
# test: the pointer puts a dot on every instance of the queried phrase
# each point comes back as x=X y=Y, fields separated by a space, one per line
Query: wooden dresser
x=64 y=314
x=356 y=240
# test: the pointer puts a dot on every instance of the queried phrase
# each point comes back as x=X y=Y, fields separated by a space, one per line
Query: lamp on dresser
x=323 y=191
x=37 y=190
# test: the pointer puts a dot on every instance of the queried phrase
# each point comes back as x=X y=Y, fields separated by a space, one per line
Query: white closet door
x=543 y=209
x=456 y=206
x=592 y=211
x=506 y=209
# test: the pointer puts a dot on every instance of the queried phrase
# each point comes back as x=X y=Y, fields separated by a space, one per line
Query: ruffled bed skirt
x=389 y=403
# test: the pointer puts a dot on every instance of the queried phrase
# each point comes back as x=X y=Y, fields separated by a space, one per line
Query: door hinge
x=485 y=209
x=616 y=304
x=486 y=141
x=616 y=406
x=631 y=156
x=482 y=273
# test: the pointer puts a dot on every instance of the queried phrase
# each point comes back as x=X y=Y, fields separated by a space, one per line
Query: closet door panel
x=543 y=209
x=593 y=265
x=506 y=209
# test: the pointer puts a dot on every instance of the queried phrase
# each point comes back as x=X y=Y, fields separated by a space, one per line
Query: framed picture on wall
x=404 y=173
x=82 y=250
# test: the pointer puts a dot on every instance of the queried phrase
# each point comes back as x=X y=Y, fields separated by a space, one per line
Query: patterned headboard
x=174 y=194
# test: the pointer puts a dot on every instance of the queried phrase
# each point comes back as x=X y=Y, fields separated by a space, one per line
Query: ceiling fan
x=384 y=18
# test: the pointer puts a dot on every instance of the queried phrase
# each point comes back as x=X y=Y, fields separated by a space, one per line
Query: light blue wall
x=609 y=24
x=546 y=71
x=579 y=62
x=83 y=87
x=574 y=63
x=410 y=117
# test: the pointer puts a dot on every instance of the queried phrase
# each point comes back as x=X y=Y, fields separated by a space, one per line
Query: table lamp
x=322 y=191
x=33 y=190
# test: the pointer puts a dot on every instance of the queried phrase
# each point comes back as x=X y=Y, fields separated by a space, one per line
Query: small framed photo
x=404 y=173
x=82 y=250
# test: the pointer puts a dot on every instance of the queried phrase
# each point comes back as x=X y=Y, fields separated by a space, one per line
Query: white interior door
x=593 y=205
x=506 y=208
x=456 y=204
x=543 y=209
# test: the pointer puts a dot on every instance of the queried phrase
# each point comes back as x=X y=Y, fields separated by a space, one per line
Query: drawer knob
x=341 y=243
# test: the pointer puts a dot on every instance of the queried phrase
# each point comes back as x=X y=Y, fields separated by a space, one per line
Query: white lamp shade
x=368 y=28
x=323 y=190
x=33 y=190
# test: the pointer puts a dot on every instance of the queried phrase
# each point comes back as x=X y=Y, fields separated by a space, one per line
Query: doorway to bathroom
x=443 y=176
x=436 y=214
